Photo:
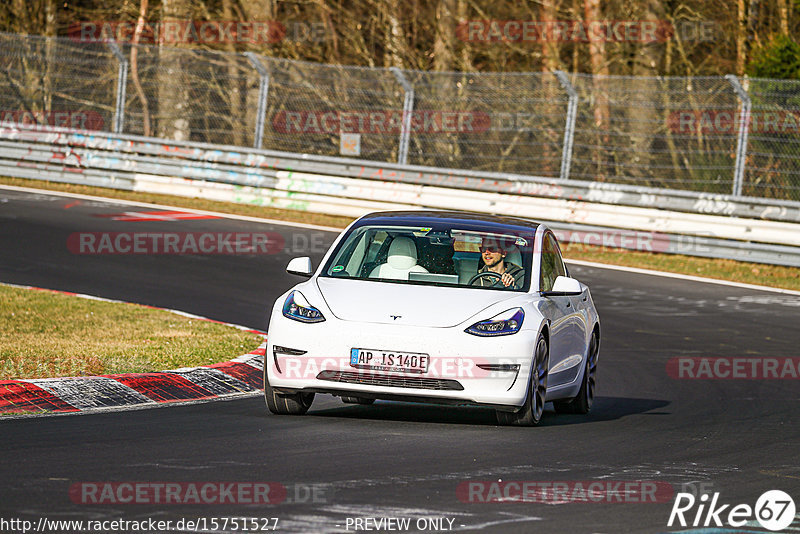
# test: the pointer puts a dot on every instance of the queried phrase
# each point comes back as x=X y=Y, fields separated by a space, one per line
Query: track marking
x=236 y=378
x=110 y=200
x=90 y=392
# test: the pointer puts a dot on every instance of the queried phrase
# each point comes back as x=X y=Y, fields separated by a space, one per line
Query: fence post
x=122 y=83
x=408 y=107
x=744 y=130
x=569 y=127
x=263 y=91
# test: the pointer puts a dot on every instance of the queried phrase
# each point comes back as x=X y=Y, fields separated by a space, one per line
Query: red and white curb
x=237 y=377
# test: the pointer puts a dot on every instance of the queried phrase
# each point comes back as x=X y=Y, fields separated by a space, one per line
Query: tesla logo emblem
x=395 y=317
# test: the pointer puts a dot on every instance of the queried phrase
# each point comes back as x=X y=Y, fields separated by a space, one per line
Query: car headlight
x=297 y=307
x=502 y=324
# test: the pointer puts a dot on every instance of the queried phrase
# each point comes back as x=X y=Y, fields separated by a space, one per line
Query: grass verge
x=737 y=271
x=45 y=334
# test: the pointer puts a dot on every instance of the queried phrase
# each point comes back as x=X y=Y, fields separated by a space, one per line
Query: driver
x=493 y=254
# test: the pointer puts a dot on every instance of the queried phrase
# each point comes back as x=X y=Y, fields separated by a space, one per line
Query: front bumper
x=462 y=369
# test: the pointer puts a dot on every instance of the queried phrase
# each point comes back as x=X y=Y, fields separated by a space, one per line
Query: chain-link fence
x=654 y=131
x=668 y=132
x=772 y=166
x=189 y=95
x=309 y=104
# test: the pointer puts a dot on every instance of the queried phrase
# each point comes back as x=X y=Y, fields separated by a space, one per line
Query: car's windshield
x=444 y=256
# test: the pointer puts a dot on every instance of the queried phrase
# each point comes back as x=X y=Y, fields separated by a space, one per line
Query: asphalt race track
x=401 y=460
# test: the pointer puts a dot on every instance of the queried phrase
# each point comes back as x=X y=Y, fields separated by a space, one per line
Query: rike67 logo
x=774 y=511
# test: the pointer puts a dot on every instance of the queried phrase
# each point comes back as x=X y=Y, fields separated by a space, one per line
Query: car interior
x=401 y=255
x=442 y=257
x=401 y=259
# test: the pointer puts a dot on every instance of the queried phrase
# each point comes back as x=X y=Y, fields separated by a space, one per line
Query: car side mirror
x=565 y=286
x=300 y=266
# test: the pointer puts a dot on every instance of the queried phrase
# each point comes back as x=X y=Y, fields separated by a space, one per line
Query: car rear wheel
x=531 y=412
x=357 y=400
x=582 y=404
x=283 y=404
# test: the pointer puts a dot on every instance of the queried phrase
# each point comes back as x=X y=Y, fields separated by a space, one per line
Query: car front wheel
x=283 y=404
x=531 y=412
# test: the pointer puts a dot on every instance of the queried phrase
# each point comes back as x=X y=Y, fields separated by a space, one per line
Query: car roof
x=435 y=217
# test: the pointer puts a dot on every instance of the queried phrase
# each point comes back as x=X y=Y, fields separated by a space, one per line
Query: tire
x=282 y=404
x=531 y=412
x=582 y=404
x=357 y=400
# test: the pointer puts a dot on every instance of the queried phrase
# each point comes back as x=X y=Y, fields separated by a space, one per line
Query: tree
x=444 y=42
x=780 y=58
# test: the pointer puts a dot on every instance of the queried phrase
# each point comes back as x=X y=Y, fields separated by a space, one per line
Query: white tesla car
x=441 y=307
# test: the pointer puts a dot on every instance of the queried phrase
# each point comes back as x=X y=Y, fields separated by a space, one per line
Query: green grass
x=46 y=334
x=751 y=273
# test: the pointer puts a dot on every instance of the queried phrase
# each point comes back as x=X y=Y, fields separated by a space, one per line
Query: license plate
x=389 y=360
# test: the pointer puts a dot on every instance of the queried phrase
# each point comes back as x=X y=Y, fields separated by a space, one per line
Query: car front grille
x=390 y=381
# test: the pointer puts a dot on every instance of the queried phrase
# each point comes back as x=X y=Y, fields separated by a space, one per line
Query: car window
x=444 y=256
x=377 y=240
x=552 y=263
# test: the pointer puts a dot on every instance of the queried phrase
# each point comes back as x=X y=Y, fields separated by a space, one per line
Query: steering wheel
x=488 y=274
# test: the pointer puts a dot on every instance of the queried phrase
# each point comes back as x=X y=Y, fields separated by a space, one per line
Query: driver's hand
x=507 y=279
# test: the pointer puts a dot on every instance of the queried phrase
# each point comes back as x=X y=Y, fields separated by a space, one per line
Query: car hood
x=406 y=304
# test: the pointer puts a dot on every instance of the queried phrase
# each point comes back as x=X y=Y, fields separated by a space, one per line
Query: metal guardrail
x=676 y=220
x=210 y=158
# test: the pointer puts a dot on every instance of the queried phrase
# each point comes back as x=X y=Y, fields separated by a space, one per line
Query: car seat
x=514 y=256
x=401 y=260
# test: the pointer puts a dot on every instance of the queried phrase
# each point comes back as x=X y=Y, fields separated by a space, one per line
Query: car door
x=567 y=322
x=580 y=305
